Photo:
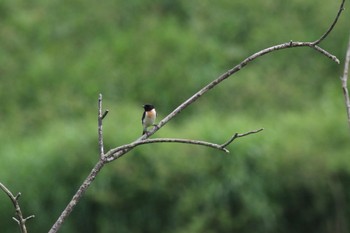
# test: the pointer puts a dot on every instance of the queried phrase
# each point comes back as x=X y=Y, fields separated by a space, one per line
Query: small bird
x=148 y=117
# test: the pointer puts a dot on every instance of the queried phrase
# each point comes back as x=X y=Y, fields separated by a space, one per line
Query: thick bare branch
x=75 y=199
x=21 y=221
x=344 y=81
x=69 y=208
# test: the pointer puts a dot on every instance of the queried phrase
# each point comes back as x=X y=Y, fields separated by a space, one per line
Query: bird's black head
x=148 y=107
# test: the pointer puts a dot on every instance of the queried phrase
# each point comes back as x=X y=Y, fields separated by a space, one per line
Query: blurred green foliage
x=56 y=56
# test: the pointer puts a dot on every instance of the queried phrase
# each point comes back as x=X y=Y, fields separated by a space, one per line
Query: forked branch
x=110 y=155
x=21 y=221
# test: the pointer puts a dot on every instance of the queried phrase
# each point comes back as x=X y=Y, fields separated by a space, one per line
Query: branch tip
x=16 y=220
x=29 y=217
x=226 y=150
x=18 y=196
x=104 y=114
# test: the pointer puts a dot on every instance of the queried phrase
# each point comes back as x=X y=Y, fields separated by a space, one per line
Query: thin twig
x=327 y=54
x=14 y=199
x=344 y=80
x=105 y=114
x=99 y=128
x=341 y=8
x=236 y=135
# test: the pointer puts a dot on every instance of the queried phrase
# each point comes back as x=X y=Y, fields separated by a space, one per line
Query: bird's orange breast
x=151 y=114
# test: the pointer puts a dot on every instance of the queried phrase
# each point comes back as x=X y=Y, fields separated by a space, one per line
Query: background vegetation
x=56 y=56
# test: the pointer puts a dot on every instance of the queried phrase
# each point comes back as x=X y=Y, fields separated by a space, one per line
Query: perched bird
x=148 y=117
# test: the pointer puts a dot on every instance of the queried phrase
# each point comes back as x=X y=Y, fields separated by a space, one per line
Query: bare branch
x=14 y=199
x=29 y=217
x=113 y=154
x=344 y=80
x=69 y=208
x=105 y=114
x=18 y=195
x=16 y=220
x=99 y=128
x=327 y=54
x=172 y=140
x=341 y=8
x=236 y=135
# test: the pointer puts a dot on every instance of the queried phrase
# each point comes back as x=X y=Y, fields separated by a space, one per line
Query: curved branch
x=14 y=199
x=172 y=140
x=113 y=154
x=341 y=8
